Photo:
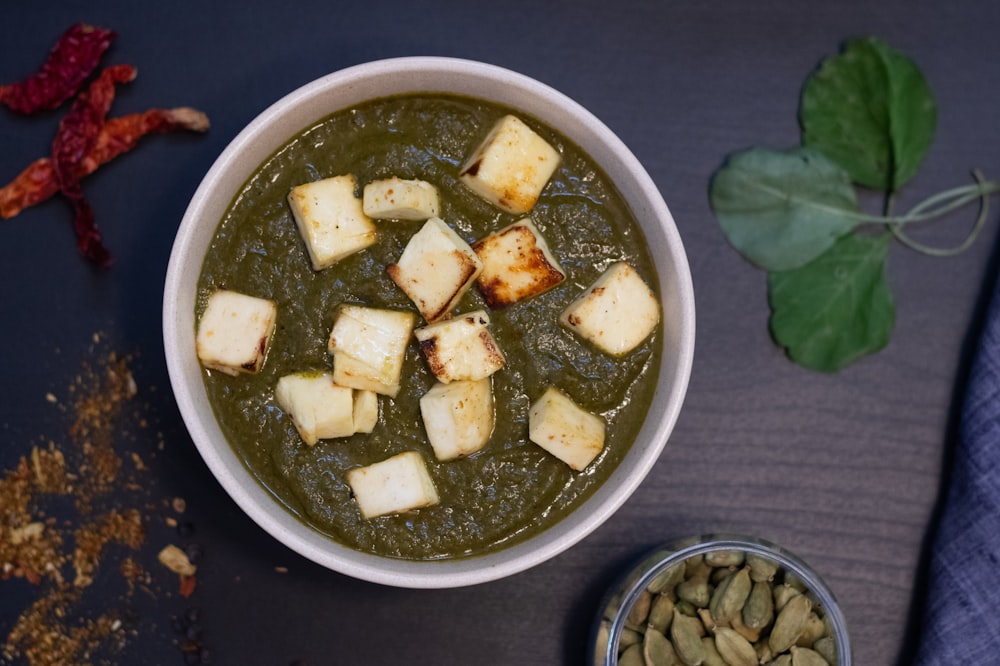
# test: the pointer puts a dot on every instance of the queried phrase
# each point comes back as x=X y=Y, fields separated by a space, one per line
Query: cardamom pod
x=734 y=649
x=758 y=611
x=764 y=653
x=661 y=612
x=694 y=591
x=752 y=635
x=695 y=567
x=812 y=632
x=657 y=650
x=827 y=648
x=686 y=607
x=628 y=638
x=712 y=656
x=686 y=632
x=792 y=580
x=805 y=657
x=729 y=597
x=725 y=558
x=789 y=623
x=706 y=620
x=783 y=660
x=665 y=581
x=782 y=594
x=640 y=609
x=632 y=656
x=762 y=569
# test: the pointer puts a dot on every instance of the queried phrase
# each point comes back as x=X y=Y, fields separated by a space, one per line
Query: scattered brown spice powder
x=63 y=555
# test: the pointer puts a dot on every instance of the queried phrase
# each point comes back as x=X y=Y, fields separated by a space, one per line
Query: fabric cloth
x=962 y=619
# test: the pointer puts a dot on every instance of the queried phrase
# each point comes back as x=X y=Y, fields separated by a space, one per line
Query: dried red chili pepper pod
x=77 y=134
x=118 y=135
x=69 y=63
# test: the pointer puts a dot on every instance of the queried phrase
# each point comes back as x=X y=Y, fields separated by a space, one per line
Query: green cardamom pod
x=712 y=656
x=628 y=638
x=661 y=612
x=695 y=567
x=734 y=649
x=729 y=603
x=724 y=558
x=762 y=569
x=783 y=660
x=792 y=580
x=789 y=623
x=758 y=611
x=657 y=650
x=665 y=581
x=686 y=632
x=686 y=607
x=764 y=653
x=827 y=648
x=632 y=656
x=805 y=657
x=752 y=635
x=782 y=594
x=812 y=632
x=640 y=609
x=694 y=591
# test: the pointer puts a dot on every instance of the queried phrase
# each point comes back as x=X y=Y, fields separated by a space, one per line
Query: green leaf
x=870 y=110
x=836 y=309
x=781 y=210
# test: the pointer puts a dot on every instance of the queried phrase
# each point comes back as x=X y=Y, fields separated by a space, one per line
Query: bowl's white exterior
x=346 y=88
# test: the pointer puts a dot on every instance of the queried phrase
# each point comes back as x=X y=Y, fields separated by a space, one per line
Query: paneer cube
x=317 y=406
x=435 y=269
x=517 y=264
x=397 y=484
x=564 y=429
x=511 y=166
x=398 y=199
x=616 y=313
x=331 y=219
x=368 y=347
x=365 y=411
x=461 y=348
x=458 y=417
x=234 y=332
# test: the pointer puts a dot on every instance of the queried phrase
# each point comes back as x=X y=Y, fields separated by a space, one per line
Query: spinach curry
x=512 y=488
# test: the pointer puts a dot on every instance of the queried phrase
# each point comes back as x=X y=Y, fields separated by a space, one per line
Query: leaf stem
x=984 y=208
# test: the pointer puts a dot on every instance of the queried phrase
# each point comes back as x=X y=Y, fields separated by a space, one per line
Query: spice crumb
x=70 y=514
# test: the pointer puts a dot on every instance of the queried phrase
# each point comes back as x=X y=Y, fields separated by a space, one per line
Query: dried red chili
x=72 y=59
x=118 y=135
x=77 y=134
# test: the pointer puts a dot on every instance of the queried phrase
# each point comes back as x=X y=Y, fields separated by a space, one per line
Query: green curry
x=512 y=488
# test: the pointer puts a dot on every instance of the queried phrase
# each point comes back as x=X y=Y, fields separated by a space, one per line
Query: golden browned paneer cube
x=435 y=269
x=517 y=264
x=461 y=348
x=511 y=167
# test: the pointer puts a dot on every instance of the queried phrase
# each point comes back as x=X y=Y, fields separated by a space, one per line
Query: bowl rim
x=260 y=138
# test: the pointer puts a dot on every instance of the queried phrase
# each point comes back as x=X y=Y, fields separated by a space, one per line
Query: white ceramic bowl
x=344 y=89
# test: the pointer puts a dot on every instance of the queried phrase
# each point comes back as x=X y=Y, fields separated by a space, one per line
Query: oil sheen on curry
x=428 y=326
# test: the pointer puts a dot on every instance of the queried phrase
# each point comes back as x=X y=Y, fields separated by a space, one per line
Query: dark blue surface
x=843 y=470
